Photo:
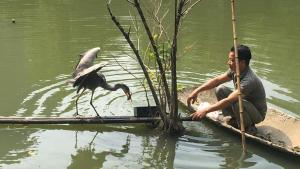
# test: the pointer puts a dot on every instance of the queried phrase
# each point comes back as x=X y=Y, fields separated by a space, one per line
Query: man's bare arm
x=206 y=86
x=233 y=97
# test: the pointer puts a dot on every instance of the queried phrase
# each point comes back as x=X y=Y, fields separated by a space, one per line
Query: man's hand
x=191 y=99
x=199 y=114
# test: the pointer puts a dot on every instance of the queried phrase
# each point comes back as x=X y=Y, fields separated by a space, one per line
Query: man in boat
x=253 y=93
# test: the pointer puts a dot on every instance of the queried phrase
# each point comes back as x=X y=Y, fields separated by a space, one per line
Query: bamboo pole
x=81 y=120
x=233 y=14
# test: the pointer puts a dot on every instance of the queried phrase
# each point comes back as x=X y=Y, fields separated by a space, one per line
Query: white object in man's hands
x=215 y=115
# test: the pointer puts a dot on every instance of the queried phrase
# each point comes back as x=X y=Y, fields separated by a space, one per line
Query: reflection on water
x=16 y=145
x=41 y=50
x=88 y=157
x=134 y=146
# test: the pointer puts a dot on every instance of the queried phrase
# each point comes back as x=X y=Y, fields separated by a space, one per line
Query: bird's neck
x=110 y=87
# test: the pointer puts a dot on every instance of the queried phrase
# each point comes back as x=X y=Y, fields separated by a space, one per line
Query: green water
x=38 y=54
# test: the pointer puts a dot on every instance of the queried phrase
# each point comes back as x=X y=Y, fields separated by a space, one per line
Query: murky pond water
x=38 y=54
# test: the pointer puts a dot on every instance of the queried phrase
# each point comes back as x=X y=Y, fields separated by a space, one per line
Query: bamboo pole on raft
x=233 y=15
x=81 y=120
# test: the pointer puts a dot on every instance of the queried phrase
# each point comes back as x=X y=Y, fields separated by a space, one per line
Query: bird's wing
x=84 y=73
x=79 y=80
x=86 y=60
x=80 y=57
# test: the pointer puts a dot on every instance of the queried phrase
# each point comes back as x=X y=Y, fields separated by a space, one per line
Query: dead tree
x=164 y=97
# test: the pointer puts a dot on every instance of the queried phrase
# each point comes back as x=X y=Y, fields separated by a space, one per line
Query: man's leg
x=221 y=93
x=251 y=115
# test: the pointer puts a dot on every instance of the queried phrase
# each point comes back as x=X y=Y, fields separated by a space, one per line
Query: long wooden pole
x=81 y=120
x=238 y=75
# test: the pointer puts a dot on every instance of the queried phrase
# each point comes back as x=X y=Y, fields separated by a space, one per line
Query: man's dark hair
x=244 y=53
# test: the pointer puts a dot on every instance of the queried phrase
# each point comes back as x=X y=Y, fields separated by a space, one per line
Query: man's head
x=244 y=55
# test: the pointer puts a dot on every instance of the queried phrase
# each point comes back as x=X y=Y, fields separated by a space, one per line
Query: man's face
x=231 y=61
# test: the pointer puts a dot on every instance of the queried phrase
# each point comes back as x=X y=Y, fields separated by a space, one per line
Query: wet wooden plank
x=80 y=120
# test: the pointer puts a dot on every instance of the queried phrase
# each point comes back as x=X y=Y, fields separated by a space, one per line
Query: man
x=253 y=93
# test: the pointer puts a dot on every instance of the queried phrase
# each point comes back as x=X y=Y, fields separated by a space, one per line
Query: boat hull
x=278 y=130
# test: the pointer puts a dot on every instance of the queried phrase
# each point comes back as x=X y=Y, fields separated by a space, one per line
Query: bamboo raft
x=278 y=131
x=81 y=120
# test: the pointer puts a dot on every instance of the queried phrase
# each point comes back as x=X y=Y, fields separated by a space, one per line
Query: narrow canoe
x=278 y=130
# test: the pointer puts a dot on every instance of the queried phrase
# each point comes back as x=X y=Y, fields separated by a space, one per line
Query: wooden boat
x=278 y=131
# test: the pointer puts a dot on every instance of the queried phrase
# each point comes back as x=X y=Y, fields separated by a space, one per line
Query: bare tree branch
x=136 y=27
x=154 y=47
x=163 y=115
x=164 y=59
x=159 y=22
x=186 y=11
x=144 y=86
x=130 y=2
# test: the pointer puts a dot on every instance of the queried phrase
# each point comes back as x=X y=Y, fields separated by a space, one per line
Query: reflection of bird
x=86 y=76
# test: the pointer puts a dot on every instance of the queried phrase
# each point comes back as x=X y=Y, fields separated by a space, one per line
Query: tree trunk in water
x=175 y=125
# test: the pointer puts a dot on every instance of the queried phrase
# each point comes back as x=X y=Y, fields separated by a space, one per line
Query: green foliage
x=180 y=86
x=164 y=50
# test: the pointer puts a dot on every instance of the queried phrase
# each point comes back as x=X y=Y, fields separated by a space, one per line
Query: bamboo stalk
x=233 y=14
x=81 y=120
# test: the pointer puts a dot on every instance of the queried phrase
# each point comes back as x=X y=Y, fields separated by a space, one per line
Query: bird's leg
x=91 y=102
x=93 y=139
x=76 y=132
x=76 y=102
